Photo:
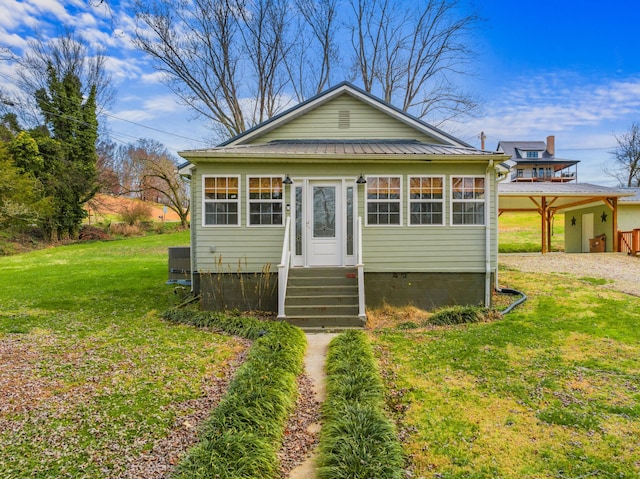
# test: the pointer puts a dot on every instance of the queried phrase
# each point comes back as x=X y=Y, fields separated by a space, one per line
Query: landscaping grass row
x=244 y=433
x=357 y=439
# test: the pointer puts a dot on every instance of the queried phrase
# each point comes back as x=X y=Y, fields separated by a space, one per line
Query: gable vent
x=344 y=119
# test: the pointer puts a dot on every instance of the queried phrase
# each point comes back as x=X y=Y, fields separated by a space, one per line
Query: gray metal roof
x=543 y=188
x=631 y=199
x=343 y=148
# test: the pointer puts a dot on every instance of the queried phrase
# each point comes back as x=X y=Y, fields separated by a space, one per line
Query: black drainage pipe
x=513 y=292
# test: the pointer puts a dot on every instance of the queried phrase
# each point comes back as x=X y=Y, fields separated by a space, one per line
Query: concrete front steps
x=323 y=299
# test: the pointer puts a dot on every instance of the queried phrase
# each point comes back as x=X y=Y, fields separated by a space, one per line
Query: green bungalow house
x=340 y=203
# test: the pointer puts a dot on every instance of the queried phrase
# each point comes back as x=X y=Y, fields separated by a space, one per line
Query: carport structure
x=548 y=198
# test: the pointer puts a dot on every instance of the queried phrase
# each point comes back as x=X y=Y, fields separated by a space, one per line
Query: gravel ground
x=622 y=270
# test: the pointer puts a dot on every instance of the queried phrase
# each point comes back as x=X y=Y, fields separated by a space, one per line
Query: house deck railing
x=360 y=268
x=283 y=269
x=629 y=241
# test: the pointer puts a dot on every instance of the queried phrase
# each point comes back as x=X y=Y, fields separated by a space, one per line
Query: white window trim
x=249 y=201
x=452 y=201
x=443 y=201
x=205 y=201
x=367 y=201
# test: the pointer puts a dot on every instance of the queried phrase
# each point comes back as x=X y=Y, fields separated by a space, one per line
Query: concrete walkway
x=317 y=346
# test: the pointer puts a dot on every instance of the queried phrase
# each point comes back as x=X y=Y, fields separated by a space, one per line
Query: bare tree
x=236 y=61
x=314 y=55
x=626 y=158
x=411 y=53
x=217 y=53
x=151 y=172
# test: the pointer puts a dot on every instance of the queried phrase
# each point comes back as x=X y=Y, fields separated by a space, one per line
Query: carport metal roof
x=548 y=198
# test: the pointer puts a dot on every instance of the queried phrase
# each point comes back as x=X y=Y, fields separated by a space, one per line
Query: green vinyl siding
x=329 y=121
x=432 y=248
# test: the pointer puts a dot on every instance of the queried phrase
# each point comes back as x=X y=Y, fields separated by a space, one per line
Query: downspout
x=487 y=229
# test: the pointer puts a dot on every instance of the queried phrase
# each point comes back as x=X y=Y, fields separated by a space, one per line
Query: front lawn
x=91 y=377
x=550 y=391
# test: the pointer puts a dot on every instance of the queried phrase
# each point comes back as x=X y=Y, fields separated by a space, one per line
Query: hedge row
x=243 y=434
x=357 y=439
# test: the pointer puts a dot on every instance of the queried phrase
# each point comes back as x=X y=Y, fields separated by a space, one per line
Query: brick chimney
x=551 y=145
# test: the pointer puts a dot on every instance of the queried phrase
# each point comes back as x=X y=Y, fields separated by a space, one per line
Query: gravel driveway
x=621 y=269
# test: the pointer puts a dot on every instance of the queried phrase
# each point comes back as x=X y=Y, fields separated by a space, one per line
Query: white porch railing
x=360 y=268
x=283 y=269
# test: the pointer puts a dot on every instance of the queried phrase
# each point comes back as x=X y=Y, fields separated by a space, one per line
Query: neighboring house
x=352 y=202
x=533 y=161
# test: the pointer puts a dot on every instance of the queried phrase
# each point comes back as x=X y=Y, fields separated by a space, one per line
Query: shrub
x=244 y=433
x=458 y=315
x=357 y=439
x=92 y=233
x=122 y=229
x=135 y=213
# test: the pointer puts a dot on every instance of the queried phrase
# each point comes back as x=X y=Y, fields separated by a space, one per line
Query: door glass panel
x=350 y=220
x=298 y=220
x=324 y=211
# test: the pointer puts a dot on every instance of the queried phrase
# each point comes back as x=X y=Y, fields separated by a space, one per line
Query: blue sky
x=567 y=68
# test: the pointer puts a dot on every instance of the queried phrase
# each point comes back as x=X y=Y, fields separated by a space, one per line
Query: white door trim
x=302 y=230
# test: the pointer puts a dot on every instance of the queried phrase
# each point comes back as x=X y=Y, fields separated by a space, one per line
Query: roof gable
x=516 y=148
x=344 y=112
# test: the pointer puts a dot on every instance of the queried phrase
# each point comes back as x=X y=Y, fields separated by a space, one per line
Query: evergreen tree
x=68 y=146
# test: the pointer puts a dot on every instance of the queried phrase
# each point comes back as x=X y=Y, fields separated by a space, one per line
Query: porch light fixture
x=361 y=180
x=287 y=180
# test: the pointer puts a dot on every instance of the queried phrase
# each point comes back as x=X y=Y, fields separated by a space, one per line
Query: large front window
x=467 y=200
x=426 y=200
x=383 y=200
x=221 y=200
x=265 y=200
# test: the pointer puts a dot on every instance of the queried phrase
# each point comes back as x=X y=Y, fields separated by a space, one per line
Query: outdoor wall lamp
x=361 y=180
x=287 y=180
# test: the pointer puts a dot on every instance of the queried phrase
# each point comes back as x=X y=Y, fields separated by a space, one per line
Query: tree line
x=233 y=62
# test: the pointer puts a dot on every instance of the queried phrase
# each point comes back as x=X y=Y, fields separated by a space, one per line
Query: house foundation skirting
x=243 y=291
x=259 y=292
x=424 y=290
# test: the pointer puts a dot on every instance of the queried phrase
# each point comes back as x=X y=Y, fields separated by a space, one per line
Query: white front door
x=324 y=223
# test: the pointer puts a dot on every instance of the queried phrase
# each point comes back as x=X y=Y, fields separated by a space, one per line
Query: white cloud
x=154 y=78
x=579 y=110
x=163 y=104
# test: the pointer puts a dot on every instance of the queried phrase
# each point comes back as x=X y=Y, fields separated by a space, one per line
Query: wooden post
x=543 y=214
x=614 y=226
x=550 y=214
x=635 y=241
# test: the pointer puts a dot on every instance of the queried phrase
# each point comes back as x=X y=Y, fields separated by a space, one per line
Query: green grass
x=549 y=391
x=100 y=376
x=521 y=233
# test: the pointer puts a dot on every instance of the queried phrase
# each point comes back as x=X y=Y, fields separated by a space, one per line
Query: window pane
x=221 y=205
x=265 y=201
x=383 y=199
